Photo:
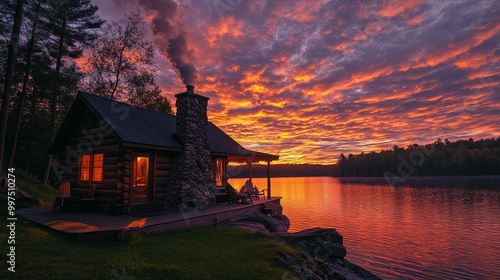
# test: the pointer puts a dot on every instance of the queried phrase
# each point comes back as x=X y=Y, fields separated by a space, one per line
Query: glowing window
x=141 y=171
x=97 y=166
x=219 y=167
x=91 y=167
x=85 y=168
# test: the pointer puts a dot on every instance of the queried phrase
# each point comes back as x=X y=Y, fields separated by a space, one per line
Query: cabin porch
x=103 y=226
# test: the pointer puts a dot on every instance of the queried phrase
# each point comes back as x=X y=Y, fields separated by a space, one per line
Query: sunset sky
x=308 y=80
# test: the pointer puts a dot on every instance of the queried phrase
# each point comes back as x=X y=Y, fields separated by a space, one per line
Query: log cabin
x=143 y=160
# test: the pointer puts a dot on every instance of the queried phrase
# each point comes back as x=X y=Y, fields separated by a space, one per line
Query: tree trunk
x=53 y=104
x=27 y=71
x=9 y=74
x=118 y=72
x=31 y=127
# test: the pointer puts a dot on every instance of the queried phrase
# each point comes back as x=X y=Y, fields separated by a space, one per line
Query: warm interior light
x=219 y=171
x=141 y=171
x=85 y=168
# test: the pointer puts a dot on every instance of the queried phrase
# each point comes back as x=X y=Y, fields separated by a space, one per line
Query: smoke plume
x=170 y=37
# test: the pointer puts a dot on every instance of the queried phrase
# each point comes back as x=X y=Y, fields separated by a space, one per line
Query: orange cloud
x=304 y=12
x=227 y=27
x=416 y=20
x=454 y=49
x=369 y=30
x=475 y=60
x=251 y=76
x=482 y=74
x=391 y=8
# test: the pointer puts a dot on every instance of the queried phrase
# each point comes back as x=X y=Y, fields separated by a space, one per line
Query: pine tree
x=36 y=5
x=9 y=74
x=73 y=25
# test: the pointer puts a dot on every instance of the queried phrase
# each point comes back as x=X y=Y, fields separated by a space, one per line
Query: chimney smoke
x=170 y=37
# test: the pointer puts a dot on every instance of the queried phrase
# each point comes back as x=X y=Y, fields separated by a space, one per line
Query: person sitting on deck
x=252 y=190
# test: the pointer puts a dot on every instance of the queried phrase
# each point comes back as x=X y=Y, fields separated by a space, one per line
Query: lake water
x=444 y=228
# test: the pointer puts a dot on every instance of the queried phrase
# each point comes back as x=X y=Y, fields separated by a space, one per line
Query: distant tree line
x=448 y=158
x=49 y=49
x=281 y=170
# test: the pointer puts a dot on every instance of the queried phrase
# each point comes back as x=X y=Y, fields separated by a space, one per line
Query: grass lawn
x=201 y=253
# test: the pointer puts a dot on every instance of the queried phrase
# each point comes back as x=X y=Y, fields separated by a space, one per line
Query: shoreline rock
x=323 y=257
x=321 y=243
x=324 y=251
x=257 y=222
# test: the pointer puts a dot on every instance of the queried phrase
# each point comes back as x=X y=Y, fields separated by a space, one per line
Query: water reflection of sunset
x=399 y=231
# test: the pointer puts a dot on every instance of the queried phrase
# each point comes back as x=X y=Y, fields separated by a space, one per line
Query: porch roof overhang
x=251 y=156
x=245 y=155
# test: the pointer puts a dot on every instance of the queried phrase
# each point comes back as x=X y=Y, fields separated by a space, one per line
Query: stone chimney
x=191 y=184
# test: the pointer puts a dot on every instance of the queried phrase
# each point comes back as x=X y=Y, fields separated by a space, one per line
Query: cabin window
x=85 y=168
x=141 y=188
x=141 y=171
x=97 y=166
x=91 y=167
x=219 y=167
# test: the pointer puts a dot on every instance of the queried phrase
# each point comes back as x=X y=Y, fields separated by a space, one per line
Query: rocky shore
x=322 y=251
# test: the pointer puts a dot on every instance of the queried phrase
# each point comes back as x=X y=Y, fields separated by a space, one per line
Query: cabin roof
x=136 y=126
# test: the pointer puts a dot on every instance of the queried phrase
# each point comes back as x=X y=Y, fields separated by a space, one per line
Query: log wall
x=124 y=177
x=88 y=136
x=163 y=168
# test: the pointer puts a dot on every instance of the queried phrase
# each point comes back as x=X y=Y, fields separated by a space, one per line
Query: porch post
x=249 y=170
x=268 y=179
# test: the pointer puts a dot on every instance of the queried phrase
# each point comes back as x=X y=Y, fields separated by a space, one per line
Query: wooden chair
x=237 y=198
x=63 y=196
x=252 y=190
x=79 y=202
x=65 y=189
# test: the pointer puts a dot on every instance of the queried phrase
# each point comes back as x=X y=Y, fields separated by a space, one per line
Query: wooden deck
x=103 y=226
